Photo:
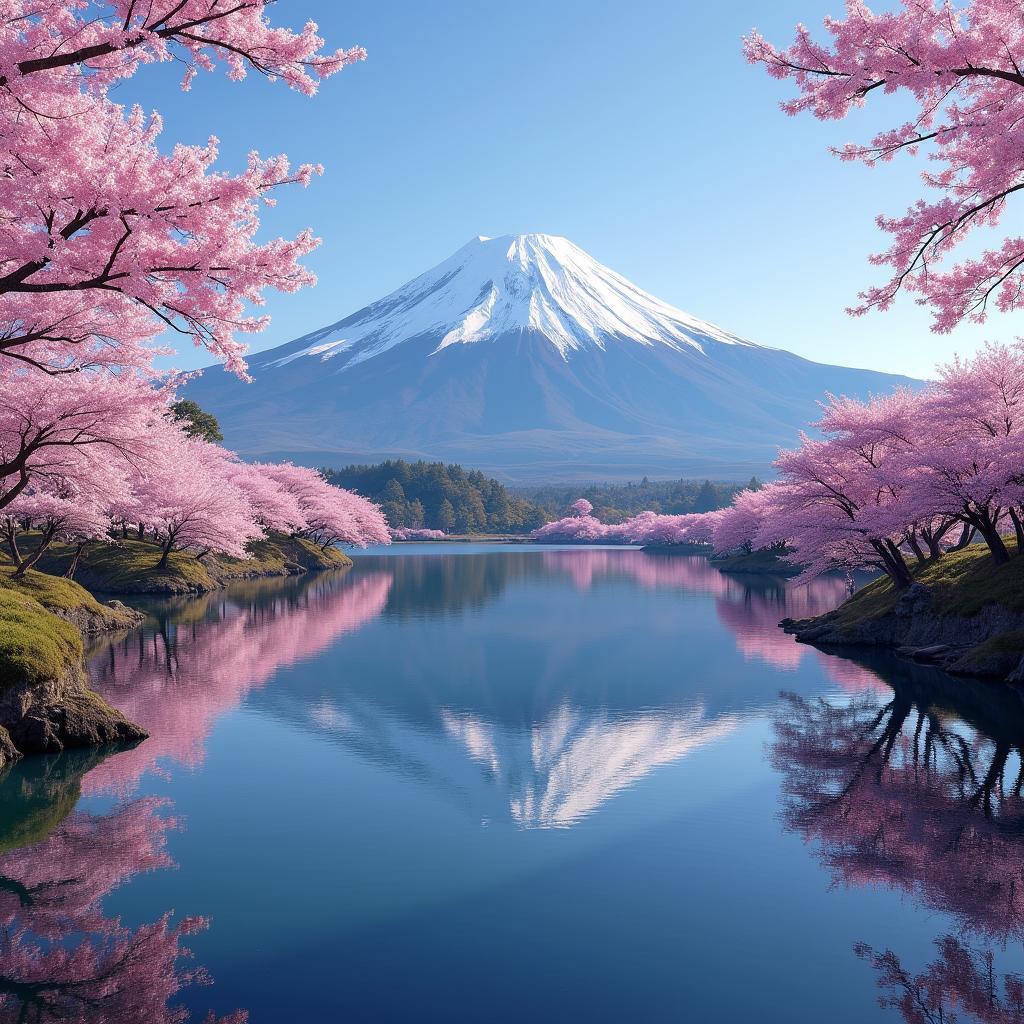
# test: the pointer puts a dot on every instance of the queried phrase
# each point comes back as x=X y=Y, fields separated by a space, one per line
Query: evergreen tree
x=707 y=499
x=197 y=421
x=445 y=516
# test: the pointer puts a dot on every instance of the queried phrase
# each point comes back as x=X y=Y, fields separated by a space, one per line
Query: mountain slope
x=523 y=356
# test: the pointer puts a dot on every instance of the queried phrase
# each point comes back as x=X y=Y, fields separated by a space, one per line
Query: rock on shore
x=51 y=715
x=987 y=644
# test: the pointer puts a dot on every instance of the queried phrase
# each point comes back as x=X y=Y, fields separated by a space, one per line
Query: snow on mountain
x=497 y=286
x=523 y=356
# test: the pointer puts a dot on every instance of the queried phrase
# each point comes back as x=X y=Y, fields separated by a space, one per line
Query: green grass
x=276 y=553
x=35 y=644
x=130 y=565
x=65 y=597
x=1003 y=645
x=961 y=583
x=761 y=561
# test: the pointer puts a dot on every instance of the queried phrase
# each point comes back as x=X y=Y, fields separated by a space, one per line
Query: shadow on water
x=919 y=789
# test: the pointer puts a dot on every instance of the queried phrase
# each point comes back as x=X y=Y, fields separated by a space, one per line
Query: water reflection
x=568 y=766
x=196 y=658
x=528 y=690
x=920 y=790
x=539 y=744
x=62 y=958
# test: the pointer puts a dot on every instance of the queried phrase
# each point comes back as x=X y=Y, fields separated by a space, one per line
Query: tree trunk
x=893 y=562
x=12 y=542
x=1018 y=529
x=918 y=553
x=73 y=565
x=989 y=531
x=162 y=564
x=142 y=531
x=27 y=563
x=966 y=536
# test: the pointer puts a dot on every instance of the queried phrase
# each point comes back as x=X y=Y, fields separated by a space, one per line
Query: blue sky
x=635 y=129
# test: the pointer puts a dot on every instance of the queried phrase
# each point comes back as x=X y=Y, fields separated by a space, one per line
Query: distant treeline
x=440 y=497
x=614 y=502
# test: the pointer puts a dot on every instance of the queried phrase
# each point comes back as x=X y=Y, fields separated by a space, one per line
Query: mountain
x=523 y=356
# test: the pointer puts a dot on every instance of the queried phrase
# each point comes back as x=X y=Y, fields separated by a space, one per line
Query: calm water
x=471 y=784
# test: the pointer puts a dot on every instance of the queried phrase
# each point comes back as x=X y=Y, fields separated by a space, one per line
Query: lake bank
x=962 y=613
x=45 y=702
x=132 y=566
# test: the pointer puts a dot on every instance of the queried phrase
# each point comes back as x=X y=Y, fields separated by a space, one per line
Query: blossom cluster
x=882 y=484
x=959 y=66
x=109 y=241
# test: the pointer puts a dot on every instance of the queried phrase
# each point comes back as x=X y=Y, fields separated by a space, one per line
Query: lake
x=471 y=783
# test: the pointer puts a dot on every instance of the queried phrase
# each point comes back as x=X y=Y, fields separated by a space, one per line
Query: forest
x=439 y=497
x=615 y=502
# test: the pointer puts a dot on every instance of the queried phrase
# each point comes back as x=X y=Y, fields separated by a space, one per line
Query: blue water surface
x=499 y=783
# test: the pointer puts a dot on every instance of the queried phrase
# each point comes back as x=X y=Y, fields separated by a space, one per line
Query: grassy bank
x=130 y=566
x=42 y=619
x=761 y=563
x=963 y=613
x=35 y=644
x=960 y=582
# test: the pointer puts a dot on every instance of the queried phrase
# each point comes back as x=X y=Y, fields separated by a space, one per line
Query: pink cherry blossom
x=959 y=67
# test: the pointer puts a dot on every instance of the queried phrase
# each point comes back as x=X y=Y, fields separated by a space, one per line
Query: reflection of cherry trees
x=961 y=984
x=61 y=958
x=750 y=609
x=177 y=675
x=904 y=793
x=920 y=791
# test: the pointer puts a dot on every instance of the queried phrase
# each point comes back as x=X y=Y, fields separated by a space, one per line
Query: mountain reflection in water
x=555 y=762
x=604 y=713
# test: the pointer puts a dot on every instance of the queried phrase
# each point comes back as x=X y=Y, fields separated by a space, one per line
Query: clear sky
x=635 y=129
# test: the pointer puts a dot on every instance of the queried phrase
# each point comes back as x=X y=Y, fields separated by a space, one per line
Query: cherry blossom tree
x=107 y=239
x=959 y=65
x=332 y=515
x=416 y=533
x=59 y=427
x=274 y=507
x=841 y=501
x=60 y=508
x=970 y=463
x=735 y=527
x=189 y=500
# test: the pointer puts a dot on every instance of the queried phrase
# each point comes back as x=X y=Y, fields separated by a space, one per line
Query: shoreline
x=961 y=614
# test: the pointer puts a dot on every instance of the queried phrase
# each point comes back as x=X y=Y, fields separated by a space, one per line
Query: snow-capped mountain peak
x=492 y=287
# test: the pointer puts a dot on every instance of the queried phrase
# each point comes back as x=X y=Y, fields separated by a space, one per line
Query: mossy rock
x=35 y=644
x=997 y=656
